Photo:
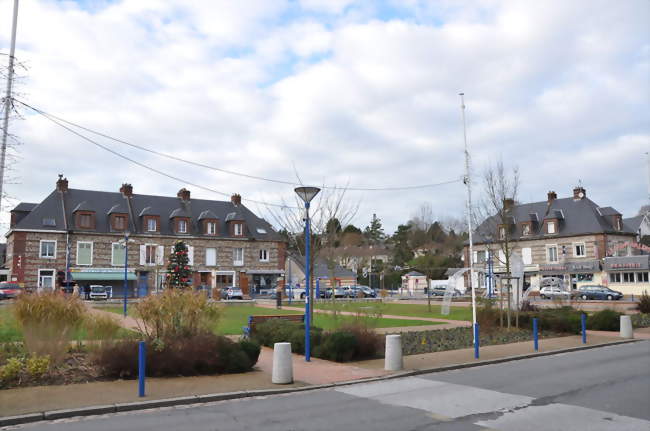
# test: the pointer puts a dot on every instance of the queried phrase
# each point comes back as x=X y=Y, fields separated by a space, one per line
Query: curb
x=200 y=399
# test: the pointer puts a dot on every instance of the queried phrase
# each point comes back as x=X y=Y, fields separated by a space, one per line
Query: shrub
x=487 y=315
x=37 y=366
x=176 y=313
x=641 y=320
x=337 y=346
x=644 y=303
x=11 y=370
x=48 y=321
x=368 y=343
x=201 y=354
x=563 y=319
x=101 y=327
x=604 y=320
x=252 y=349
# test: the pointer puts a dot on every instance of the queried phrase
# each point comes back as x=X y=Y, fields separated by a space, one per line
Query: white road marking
x=562 y=417
x=441 y=398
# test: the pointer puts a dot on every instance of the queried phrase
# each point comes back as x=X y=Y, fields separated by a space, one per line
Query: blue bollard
x=141 y=367
x=583 y=321
x=535 y=335
x=476 y=341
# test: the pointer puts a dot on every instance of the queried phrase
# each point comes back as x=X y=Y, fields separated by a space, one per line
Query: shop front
x=264 y=281
x=559 y=271
x=584 y=273
x=628 y=274
x=112 y=278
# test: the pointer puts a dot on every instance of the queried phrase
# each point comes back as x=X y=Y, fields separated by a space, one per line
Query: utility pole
x=648 y=157
x=468 y=183
x=10 y=78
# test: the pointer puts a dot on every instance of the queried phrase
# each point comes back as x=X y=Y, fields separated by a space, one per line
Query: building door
x=46 y=279
x=143 y=277
x=243 y=283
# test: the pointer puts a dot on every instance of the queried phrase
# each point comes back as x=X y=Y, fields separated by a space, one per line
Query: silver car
x=551 y=292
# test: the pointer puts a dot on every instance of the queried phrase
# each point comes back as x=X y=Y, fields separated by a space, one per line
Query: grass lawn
x=236 y=316
x=411 y=310
x=9 y=330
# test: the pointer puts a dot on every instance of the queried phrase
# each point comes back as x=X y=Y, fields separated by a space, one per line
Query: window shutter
x=190 y=255
x=160 y=255
x=143 y=254
x=527 y=255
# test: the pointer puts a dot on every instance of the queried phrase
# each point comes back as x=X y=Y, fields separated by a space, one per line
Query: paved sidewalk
x=639 y=333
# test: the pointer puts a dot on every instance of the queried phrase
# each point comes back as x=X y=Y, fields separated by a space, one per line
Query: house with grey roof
x=322 y=272
x=78 y=235
x=567 y=238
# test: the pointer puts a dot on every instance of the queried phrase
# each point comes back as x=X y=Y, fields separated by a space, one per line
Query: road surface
x=606 y=388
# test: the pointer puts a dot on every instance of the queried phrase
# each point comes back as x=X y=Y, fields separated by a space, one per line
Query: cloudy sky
x=336 y=92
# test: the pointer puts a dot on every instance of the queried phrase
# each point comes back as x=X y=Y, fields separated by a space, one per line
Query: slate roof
x=633 y=223
x=576 y=217
x=25 y=206
x=163 y=206
x=414 y=274
x=320 y=268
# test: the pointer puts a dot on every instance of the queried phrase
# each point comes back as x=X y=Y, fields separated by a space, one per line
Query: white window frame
x=155 y=224
x=39 y=286
x=502 y=232
x=113 y=244
x=527 y=255
x=629 y=276
x=614 y=277
x=264 y=254
x=184 y=224
x=238 y=229
x=640 y=277
x=211 y=228
x=525 y=229
x=548 y=254
x=236 y=262
x=548 y=227
x=584 y=249
x=40 y=249
x=92 y=247
x=206 y=256
x=152 y=255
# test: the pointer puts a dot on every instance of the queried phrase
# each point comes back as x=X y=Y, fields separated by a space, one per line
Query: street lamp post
x=126 y=265
x=307 y=194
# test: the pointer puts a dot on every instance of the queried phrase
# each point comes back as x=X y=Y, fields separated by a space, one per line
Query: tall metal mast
x=10 y=78
x=468 y=183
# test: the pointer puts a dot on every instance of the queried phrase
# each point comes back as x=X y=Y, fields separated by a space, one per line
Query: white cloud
x=343 y=92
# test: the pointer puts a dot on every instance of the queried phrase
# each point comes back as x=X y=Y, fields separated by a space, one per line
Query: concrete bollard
x=282 y=364
x=626 y=327
x=393 y=361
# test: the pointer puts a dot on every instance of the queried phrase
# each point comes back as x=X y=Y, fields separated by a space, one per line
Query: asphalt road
x=605 y=388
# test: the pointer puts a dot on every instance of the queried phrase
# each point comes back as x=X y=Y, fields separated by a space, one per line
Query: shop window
x=641 y=277
x=615 y=277
x=46 y=279
x=628 y=277
x=583 y=277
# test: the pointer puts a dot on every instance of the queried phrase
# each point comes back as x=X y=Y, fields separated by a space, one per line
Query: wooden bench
x=255 y=320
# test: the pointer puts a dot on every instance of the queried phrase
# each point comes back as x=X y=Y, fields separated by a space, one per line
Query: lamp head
x=307 y=193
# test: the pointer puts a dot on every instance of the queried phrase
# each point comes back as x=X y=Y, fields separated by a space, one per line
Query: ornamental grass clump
x=49 y=321
x=176 y=313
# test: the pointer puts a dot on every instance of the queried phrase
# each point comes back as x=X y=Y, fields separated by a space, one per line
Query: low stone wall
x=440 y=340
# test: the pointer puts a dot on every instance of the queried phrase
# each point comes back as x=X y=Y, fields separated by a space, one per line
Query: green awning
x=101 y=276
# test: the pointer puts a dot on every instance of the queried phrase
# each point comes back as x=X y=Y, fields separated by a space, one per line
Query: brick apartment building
x=83 y=231
x=570 y=238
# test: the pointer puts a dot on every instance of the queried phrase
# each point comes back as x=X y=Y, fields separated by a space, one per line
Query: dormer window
x=551 y=227
x=85 y=219
x=120 y=222
x=525 y=229
x=152 y=225
x=618 y=225
x=502 y=232
x=238 y=229
x=182 y=226
x=211 y=228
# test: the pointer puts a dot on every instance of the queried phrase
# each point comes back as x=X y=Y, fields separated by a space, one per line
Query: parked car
x=361 y=292
x=551 y=292
x=99 y=292
x=598 y=292
x=326 y=293
x=234 y=293
x=9 y=290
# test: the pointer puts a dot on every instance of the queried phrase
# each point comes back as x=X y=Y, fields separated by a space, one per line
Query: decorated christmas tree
x=178 y=269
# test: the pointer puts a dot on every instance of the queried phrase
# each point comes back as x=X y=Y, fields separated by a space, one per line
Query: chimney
x=236 y=199
x=183 y=194
x=579 y=193
x=508 y=203
x=551 y=196
x=62 y=184
x=126 y=190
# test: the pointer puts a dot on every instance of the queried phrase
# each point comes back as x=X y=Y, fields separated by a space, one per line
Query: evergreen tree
x=374 y=233
x=402 y=252
x=178 y=269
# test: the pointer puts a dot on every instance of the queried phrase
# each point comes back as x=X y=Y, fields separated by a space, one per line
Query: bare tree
x=423 y=218
x=329 y=211
x=495 y=215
